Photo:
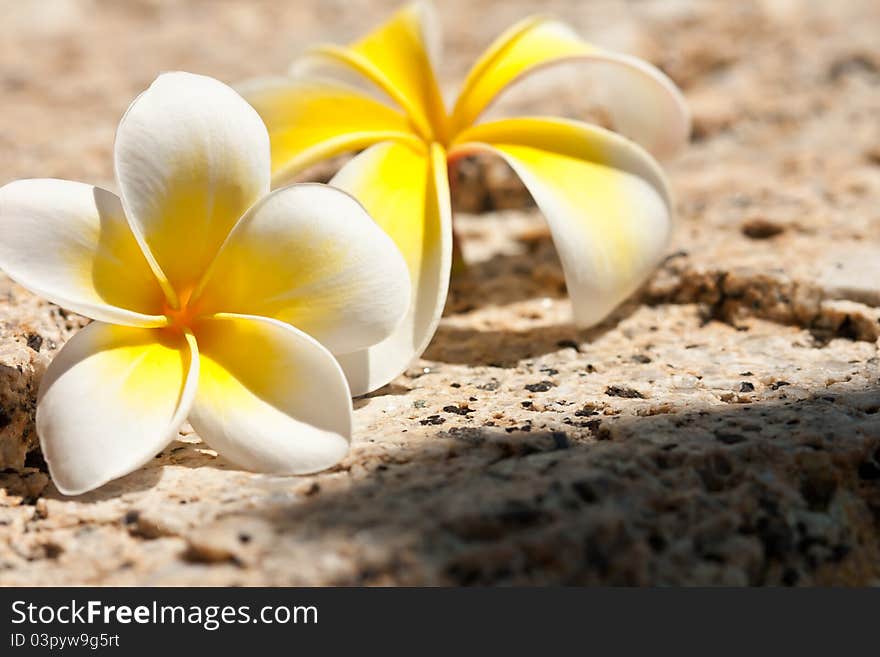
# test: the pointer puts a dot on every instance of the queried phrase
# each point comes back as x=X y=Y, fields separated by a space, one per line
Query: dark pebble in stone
x=458 y=410
x=623 y=391
x=35 y=341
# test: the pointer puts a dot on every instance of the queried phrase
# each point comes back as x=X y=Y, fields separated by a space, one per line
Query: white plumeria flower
x=216 y=300
x=605 y=198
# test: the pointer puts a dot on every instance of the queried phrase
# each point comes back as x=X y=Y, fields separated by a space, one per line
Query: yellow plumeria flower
x=604 y=197
x=198 y=275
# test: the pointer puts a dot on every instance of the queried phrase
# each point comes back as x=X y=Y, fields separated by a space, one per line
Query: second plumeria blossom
x=604 y=197
x=216 y=300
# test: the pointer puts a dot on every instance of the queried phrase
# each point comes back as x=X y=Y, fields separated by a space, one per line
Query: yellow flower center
x=181 y=318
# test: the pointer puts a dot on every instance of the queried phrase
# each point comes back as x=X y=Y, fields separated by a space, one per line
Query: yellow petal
x=111 y=400
x=644 y=104
x=70 y=243
x=407 y=192
x=397 y=58
x=191 y=156
x=310 y=120
x=270 y=398
x=311 y=256
x=604 y=198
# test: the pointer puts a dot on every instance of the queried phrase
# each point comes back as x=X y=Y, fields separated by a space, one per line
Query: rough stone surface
x=31 y=331
x=721 y=428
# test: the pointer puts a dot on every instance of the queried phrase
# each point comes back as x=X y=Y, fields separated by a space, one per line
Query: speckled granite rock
x=721 y=428
x=31 y=331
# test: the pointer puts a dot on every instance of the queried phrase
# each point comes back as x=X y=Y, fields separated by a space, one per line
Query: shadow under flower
x=507 y=278
x=185 y=452
x=506 y=348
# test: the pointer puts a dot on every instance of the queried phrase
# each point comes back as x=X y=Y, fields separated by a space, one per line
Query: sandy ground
x=721 y=428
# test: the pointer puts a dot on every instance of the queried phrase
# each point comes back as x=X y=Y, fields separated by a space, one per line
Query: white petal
x=398 y=58
x=312 y=120
x=311 y=256
x=69 y=242
x=407 y=193
x=604 y=198
x=270 y=398
x=644 y=104
x=111 y=400
x=191 y=157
